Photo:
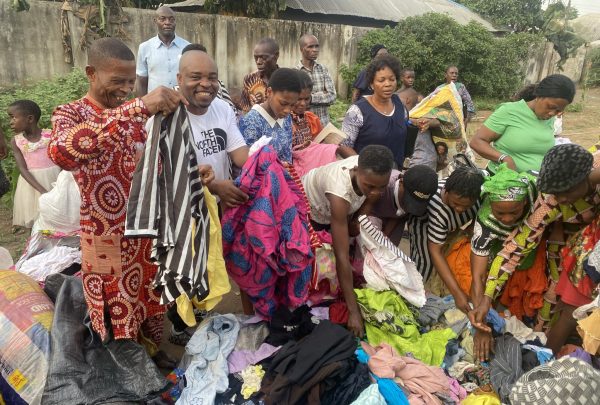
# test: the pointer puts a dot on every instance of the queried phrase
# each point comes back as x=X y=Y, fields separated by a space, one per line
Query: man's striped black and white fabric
x=167 y=204
x=435 y=226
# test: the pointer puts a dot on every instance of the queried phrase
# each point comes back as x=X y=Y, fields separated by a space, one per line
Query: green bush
x=489 y=66
x=48 y=94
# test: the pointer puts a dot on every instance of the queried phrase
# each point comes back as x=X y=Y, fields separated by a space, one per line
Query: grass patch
x=337 y=111
x=487 y=103
x=574 y=107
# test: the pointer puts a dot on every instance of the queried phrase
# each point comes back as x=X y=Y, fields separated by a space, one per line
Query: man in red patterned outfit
x=100 y=138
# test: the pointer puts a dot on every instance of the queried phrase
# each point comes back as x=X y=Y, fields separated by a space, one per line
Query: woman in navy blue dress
x=379 y=119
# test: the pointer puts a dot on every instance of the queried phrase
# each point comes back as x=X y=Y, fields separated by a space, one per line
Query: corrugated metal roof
x=384 y=10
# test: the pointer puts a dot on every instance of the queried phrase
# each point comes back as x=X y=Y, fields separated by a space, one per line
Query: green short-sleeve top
x=523 y=136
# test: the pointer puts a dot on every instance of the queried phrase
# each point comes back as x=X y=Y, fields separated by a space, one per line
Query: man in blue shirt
x=158 y=57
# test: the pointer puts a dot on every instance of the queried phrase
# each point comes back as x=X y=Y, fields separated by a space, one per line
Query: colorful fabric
x=323 y=92
x=35 y=153
x=523 y=136
x=257 y=123
x=421 y=380
x=508 y=185
x=266 y=242
x=524 y=291
x=254 y=84
x=313 y=156
x=445 y=105
x=388 y=319
x=100 y=147
x=304 y=128
x=25 y=320
x=528 y=235
x=575 y=257
x=459 y=261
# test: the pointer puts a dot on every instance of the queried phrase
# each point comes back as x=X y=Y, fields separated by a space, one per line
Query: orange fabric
x=314 y=123
x=459 y=260
x=524 y=293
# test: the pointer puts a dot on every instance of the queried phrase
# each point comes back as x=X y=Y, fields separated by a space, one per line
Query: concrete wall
x=543 y=63
x=31 y=45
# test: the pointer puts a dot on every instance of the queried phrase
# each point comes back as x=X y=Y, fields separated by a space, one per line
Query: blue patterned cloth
x=257 y=123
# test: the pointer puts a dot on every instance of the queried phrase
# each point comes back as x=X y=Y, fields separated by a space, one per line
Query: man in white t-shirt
x=218 y=140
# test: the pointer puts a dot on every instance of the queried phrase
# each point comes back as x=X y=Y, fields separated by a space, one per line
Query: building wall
x=31 y=43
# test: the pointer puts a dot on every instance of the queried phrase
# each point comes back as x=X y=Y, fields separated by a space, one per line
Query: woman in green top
x=520 y=133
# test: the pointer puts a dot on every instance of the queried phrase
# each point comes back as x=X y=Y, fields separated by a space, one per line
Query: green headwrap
x=505 y=185
x=508 y=185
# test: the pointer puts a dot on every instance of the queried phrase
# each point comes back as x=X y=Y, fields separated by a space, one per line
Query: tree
x=490 y=66
x=518 y=15
x=528 y=16
x=245 y=8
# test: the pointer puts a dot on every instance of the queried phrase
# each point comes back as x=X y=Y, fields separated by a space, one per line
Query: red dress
x=100 y=147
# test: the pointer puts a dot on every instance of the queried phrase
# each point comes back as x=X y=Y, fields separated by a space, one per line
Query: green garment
x=389 y=320
x=523 y=136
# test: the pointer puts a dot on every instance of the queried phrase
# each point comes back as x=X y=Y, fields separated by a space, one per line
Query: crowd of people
x=190 y=184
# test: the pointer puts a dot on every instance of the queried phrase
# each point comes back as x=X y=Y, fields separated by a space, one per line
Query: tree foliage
x=48 y=94
x=489 y=66
x=528 y=16
x=518 y=15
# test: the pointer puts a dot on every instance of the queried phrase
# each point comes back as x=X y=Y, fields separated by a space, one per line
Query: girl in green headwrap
x=507 y=199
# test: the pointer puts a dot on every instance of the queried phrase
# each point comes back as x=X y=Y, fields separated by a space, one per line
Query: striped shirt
x=435 y=226
x=168 y=205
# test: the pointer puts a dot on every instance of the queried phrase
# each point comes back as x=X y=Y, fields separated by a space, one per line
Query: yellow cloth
x=252 y=376
x=481 y=399
x=589 y=329
x=218 y=281
x=445 y=105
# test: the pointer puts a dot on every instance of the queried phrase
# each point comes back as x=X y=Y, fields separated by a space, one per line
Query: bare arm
x=441 y=265
x=141 y=86
x=479 y=272
x=239 y=156
x=482 y=144
x=339 y=232
x=22 y=165
x=345 y=151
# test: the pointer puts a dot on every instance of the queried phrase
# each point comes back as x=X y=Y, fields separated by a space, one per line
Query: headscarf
x=505 y=185
x=563 y=167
